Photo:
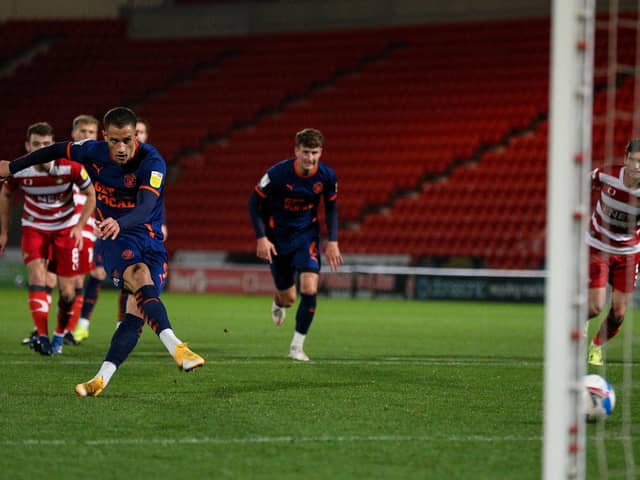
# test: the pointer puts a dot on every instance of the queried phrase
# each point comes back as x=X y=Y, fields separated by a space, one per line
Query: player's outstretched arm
x=42 y=155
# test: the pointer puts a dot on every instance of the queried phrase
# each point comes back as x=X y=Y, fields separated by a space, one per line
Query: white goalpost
x=566 y=303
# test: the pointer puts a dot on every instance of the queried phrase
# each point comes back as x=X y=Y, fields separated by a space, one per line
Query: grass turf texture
x=433 y=390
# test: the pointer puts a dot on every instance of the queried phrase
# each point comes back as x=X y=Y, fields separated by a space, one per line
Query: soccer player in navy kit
x=284 y=212
x=129 y=180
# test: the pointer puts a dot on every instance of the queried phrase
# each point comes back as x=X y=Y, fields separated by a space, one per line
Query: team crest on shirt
x=156 y=179
x=59 y=181
x=130 y=180
x=317 y=187
x=611 y=191
x=127 y=254
x=27 y=181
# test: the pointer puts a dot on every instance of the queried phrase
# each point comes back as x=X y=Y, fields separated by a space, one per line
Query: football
x=599 y=397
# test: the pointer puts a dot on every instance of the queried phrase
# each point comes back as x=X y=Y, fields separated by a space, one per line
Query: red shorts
x=86 y=256
x=621 y=271
x=58 y=247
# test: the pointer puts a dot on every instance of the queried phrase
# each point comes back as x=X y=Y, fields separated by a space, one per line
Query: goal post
x=566 y=302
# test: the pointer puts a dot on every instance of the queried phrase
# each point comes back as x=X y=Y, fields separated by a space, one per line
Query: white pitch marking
x=284 y=439
x=267 y=440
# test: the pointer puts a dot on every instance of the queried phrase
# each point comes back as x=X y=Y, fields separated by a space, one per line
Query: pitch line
x=253 y=440
x=272 y=440
x=139 y=358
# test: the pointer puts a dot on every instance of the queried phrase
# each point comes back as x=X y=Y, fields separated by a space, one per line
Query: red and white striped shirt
x=615 y=219
x=48 y=196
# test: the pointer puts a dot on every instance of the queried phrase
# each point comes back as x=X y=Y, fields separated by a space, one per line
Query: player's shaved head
x=310 y=138
x=119 y=117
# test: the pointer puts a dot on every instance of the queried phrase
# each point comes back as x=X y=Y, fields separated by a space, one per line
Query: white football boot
x=297 y=353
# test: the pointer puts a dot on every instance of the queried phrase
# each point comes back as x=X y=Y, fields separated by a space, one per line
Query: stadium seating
x=438 y=133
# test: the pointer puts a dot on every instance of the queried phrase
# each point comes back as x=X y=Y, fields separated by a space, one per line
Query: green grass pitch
x=396 y=390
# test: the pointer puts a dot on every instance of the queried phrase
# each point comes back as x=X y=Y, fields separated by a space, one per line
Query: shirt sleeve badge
x=156 y=179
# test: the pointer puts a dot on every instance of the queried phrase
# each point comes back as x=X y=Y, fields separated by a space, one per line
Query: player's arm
x=42 y=155
x=264 y=248
x=163 y=226
x=5 y=208
x=145 y=201
x=332 y=251
x=87 y=209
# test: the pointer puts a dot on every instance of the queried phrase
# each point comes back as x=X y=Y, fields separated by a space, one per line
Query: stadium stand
x=438 y=137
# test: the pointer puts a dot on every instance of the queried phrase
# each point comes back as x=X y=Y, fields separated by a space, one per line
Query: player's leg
x=624 y=272
x=611 y=324
x=123 y=299
x=124 y=340
x=598 y=280
x=282 y=300
x=66 y=302
x=69 y=339
x=66 y=257
x=86 y=266
x=307 y=262
x=91 y=292
x=283 y=274
x=304 y=314
x=35 y=252
x=146 y=279
x=38 y=304
x=146 y=303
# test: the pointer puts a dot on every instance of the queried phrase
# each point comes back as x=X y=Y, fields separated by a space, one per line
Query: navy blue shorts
x=306 y=258
x=98 y=256
x=131 y=248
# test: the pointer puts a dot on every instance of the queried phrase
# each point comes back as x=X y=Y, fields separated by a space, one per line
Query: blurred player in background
x=51 y=231
x=98 y=274
x=142 y=130
x=614 y=241
x=83 y=127
x=129 y=180
x=284 y=212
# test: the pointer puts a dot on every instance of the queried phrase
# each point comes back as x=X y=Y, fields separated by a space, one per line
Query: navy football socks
x=152 y=308
x=124 y=339
x=91 y=291
x=304 y=315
